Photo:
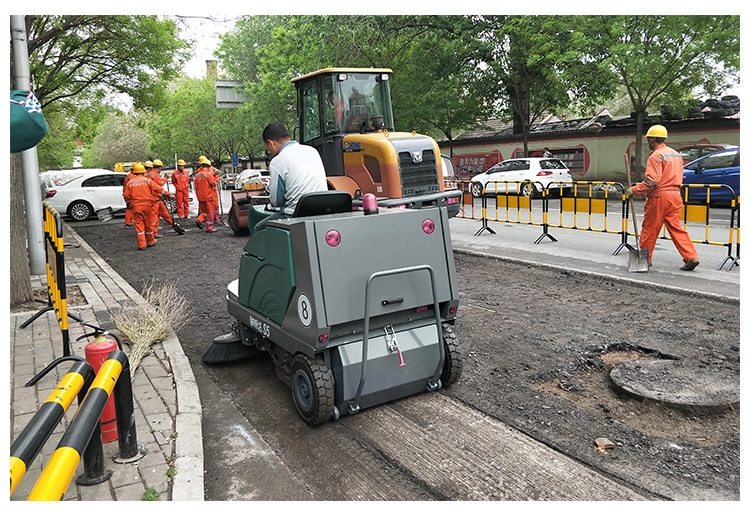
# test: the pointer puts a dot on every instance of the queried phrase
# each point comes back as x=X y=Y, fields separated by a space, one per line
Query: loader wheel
x=312 y=390
x=453 y=364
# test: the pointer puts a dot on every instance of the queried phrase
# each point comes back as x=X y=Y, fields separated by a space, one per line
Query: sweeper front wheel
x=312 y=389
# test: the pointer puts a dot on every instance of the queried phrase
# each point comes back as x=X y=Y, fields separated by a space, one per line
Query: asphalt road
x=497 y=434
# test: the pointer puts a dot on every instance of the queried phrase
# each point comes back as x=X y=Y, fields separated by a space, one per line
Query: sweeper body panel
x=356 y=310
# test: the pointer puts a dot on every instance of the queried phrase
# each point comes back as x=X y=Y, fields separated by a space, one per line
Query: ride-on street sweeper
x=355 y=307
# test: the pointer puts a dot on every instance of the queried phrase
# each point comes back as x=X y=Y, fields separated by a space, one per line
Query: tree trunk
x=20 y=275
x=638 y=168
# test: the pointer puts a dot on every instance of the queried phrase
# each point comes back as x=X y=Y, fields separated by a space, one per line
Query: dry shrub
x=150 y=323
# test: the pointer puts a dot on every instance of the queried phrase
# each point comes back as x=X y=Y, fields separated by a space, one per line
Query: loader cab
x=333 y=102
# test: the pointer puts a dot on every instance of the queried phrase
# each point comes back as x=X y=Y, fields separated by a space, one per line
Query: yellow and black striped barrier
x=56 y=288
x=59 y=471
x=698 y=211
x=29 y=443
x=599 y=206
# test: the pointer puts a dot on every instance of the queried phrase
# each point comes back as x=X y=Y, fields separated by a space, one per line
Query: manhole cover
x=676 y=383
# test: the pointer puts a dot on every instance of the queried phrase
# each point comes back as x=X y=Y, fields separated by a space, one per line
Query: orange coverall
x=128 y=212
x=160 y=210
x=663 y=202
x=181 y=182
x=140 y=193
x=205 y=190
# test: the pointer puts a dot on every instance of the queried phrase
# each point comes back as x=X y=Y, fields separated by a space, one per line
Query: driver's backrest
x=323 y=203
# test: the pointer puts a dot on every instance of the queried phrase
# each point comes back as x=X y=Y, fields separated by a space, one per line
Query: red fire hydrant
x=96 y=353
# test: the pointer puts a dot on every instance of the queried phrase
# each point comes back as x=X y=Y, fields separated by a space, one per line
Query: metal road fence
x=597 y=206
x=82 y=438
x=56 y=289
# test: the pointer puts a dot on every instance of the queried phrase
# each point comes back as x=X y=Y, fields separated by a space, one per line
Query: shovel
x=105 y=214
x=638 y=261
x=179 y=229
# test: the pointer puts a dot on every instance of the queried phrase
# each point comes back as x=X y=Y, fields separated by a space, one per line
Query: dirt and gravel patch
x=538 y=347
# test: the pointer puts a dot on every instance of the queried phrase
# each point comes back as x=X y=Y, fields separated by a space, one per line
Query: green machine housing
x=356 y=310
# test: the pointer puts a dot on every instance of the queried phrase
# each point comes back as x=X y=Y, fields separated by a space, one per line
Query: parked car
x=227 y=181
x=82 y=196
x=690 y=153
x=538 y=172
x=718 y=168
x=249 y=176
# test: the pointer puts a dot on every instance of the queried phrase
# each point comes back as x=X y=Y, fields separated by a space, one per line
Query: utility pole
x=29 y=161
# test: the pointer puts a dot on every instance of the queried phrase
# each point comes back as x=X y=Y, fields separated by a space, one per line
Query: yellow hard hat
x=148 y=164
x=157 y=163
x=203 y=160
x=180 y=162
x=138 y=168
x=657 y=131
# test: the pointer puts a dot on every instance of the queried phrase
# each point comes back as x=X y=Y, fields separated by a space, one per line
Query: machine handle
x=434 y=383
x=388 y=302
x=256 y=256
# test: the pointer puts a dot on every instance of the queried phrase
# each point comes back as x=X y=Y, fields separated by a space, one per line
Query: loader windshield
x=357 y=102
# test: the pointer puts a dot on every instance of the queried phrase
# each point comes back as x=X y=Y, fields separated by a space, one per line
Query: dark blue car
x=720 y=168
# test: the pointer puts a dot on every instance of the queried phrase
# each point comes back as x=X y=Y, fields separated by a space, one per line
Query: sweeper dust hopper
x=355 y=309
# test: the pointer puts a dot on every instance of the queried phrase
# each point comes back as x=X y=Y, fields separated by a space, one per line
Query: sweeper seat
x=323 y=203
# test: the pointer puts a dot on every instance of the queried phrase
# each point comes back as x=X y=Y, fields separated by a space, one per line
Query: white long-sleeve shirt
x=295 y=171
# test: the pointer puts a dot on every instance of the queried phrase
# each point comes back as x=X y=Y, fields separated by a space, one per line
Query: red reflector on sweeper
x=333 y=238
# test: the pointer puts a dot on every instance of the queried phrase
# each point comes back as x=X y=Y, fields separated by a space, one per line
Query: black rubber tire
x=80 y=210
x=312 y=390
x=528 y=190
x=453 y=364
x=477 y=189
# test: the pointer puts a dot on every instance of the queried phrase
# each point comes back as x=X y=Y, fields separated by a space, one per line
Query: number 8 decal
x=304 y=310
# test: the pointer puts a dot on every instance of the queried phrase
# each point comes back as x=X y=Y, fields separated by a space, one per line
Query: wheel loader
x=347 y=115
x=354 y=306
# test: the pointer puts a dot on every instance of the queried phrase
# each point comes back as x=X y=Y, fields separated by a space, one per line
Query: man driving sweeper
x=295 y=170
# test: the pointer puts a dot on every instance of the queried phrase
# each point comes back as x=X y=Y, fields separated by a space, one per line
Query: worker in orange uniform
x=128 y=211
x=181 y=182
x=663 y=200
x=215 y=200
x=206 y=186
x=140 y=194
x=153 y=171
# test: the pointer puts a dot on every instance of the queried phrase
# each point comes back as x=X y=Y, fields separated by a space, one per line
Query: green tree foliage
x=57 y=149
x=540 y=63
x=432 y=87
x=659 y=59
x=121 y=138
x=189 y=125
x=77 y=61
x=438 y=87
x=132 y=55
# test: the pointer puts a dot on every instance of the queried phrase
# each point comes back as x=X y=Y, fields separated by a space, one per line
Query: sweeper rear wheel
x=312 y=389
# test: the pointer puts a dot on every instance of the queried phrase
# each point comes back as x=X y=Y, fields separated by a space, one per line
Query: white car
x=509 y=176
x=80 y=197
x=251 y=176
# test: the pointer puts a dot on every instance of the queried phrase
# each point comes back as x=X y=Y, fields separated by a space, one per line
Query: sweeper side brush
x=355 y=309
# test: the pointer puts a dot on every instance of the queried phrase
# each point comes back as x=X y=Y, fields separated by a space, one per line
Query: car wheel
x=80 y=210
x=171 y=204
x=477 y=189
x=527 y=190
